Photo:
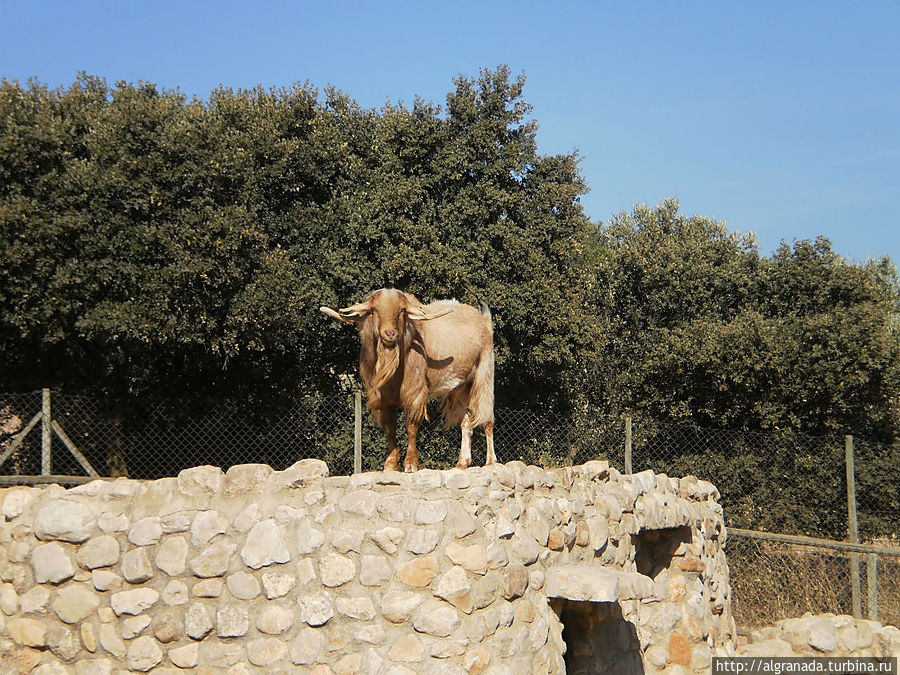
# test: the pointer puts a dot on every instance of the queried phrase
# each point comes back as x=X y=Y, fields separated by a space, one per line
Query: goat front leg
x=411 y=463
x=491 y=458
x=392 y=463
x=465 y=447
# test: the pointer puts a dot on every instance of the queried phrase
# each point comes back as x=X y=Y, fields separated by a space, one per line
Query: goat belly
x=442 y=387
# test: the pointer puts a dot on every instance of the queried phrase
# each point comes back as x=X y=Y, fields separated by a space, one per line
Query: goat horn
x=419 y=314
x=357 y=309
x=334 y=315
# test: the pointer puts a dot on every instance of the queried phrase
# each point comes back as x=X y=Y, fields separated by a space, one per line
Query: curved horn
x=419 y=314
x=334 y=315
x=357 y=309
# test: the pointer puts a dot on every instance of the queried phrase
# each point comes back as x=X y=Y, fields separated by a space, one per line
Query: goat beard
x=386 y=364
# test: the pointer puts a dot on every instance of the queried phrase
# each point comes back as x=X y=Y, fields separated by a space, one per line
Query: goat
x=410 y=352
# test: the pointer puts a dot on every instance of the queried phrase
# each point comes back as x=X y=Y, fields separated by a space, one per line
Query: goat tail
x=481 y=400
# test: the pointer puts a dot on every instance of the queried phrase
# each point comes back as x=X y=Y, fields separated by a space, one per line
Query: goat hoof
x=410 y=468
x=462 y=465
x=391 y=466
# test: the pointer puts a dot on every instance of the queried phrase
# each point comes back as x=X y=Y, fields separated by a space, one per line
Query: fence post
x=357 y=433
x=872 y=585
x=627 y=445
x=46 y=433
x=853 y=527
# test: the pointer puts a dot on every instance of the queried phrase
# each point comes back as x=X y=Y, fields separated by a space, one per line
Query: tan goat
x=410 y=352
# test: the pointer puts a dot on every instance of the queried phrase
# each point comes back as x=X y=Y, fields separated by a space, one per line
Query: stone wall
x=824 y=635
x=506 y=569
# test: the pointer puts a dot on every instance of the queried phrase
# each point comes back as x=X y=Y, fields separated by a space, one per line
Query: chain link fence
x=775 y=482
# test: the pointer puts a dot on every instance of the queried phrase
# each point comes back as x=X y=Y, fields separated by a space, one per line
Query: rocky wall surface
x=503 y=569
x=824 y=635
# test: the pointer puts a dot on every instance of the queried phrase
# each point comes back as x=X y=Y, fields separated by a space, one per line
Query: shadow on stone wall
x=599 y=639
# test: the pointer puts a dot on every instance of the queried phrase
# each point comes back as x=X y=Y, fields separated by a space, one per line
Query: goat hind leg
x=491 y=458
x=465 y=447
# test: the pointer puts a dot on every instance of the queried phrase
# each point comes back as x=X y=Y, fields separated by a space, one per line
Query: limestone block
x=301 y=474
x=63 y=642
x=174 y=523
x=185 y=656
x=9 y=599
x=113 y=522
x=136 y=567
x=201 y=481
x=275 y=619
x=407 y=649
x=360 y=502
x=423 y=540
x=247 y=518
x=516 y=581
x=198 y=621
x=455 y=587
x=347 y=539
x=143 y=654
x=17 y=500
x=277 y=585
x=216 y=654
x=419 y=572
x=171 y=555
x=168 y=627
x=213 y=560
x=336 y=570
x=111 y=641
x=431 y=512
x=374 y=570
x=51 y=564
x=356 y=607
x=394 y=508
x=525 y=547
x=308 y=537
x=94 y=667
x=427 y=480
x=388 y=539
x=146 y=532
x=208 y=588
x=232 y=621
x=316 y=609
x=175 y=593
x=242 y=585
x=397 y=606
x=102 y=551
x=133 y=601
x=134 y=626
x=64 y=520
x=242 y=479
x=435 y=618
x=27 y=632
x=206 y=525
x=75 y=603
x=264 y=652
x=307 y=646
x=473 y=558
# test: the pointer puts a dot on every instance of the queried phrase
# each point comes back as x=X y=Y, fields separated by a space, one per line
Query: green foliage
x=158 y=248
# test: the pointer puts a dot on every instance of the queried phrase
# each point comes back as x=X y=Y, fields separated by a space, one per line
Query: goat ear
x=419 y=314
x=334 y=315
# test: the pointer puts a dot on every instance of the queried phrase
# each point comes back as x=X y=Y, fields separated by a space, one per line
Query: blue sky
x=779 y=118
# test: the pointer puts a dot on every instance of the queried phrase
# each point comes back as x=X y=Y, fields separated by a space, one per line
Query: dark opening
x=654 y=549
x=599 y=640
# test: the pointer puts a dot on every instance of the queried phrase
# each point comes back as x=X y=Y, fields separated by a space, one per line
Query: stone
x=242 y=585
x=17 y=500
x=277 y=585
x=104 y=580
x=306 y=647
x=102 y=551
x=197 y=621
x=113 y=522
x=455 y=587
x=63 y=642
x=264 y=652
x=388 y=539
x=435 y=618
x=27 y=632
x=516 y=581
x=89 y=637
x=221 y=654
x=75 y=603
x=679 y=650
x=136 y=567
x=496 y=555
x=427 y=479
x=397 y=606
x=408 y=649
x=200 y=481
x=232 y=621
x=9 y=599
x=243 y=479
x=555 y=540
x=348 y=539
x=247 y=518
x=213 y=560
x=460 y=522
x=316 y=609
x=174 y=523
x=423 y=540
x=356 y=607
x=143 y=654
x=186 y=656
x=146 y=532
x=51 y=564
x=168 y=627
x=394 y=508
x=64 y=520
x=472 y=557
x=175 y=593
x=94 y=667
x=525 y=547
x=419 y=572
x=275 y=620
x=300 y=474
x=336 y=570
x=171 y=555
x=208 y=588
x=134 y=626
x=205 y=526
x=306 y=573
x=265 y=545
x=133 y=601
x=476 y=660
x=111 y=641
x=431 y=512
x=360 y=503
x=351 y=664
x=308 y=537
x=374 y=570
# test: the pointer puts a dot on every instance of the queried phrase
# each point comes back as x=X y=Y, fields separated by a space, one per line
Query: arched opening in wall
x=598 y=639
x=654 y=549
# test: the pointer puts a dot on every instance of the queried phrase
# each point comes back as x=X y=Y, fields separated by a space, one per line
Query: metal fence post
x=627 y=445
x=357 y=433
x=853 y=527
x=46 y=434
x=872 y=586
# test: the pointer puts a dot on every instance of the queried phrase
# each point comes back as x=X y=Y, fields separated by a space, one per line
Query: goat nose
x=390 y=333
